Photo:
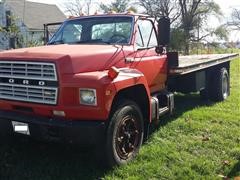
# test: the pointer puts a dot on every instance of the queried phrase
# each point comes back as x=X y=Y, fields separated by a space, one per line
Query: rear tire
x=124 y=134
x=204 y=94
x=221 y=86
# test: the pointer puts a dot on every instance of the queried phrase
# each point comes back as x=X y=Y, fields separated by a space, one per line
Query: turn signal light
x=129 y=11
x=113 y=72
x=112 y=12
x=71 y=17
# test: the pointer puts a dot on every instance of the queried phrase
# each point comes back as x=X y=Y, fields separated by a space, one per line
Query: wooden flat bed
x=192 y=63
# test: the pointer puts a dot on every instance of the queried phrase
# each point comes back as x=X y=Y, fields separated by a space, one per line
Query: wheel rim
x=225 y=86
x=128 y=137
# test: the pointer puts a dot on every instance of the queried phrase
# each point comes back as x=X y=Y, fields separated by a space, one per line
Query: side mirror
x=163 y=31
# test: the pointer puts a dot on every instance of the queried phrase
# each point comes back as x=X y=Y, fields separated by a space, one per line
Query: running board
x=163 y=111
x=161 y=104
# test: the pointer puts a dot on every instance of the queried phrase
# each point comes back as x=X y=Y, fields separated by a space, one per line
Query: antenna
x=24 y=8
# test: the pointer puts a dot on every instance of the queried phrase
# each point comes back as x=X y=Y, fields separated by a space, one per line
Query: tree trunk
x=187 y=42
x=186 y=49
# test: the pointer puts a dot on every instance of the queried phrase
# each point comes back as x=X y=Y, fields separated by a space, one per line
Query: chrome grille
x=28 y=93
x=29 y=70
x=41 y=77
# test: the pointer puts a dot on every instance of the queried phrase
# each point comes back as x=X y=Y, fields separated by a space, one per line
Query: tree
x=221 y=32
x=12 y=32
x=194 y=14
x=157 y=8
x=177 y=39
x=188 y=19
x=78 y=7
x=117 y=6
x=235 y=22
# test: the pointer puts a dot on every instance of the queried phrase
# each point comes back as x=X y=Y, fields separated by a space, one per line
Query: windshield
x=95 y=30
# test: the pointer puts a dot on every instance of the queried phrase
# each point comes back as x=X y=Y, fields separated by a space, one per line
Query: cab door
x=146 y=60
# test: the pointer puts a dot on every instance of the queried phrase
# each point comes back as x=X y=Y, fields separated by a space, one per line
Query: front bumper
x=54 y=129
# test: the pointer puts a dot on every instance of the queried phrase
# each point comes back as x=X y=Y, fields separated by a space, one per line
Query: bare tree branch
x=235 y=22
x=118 y=6
x=78 y=7
x=157 y=8
x=193 y=14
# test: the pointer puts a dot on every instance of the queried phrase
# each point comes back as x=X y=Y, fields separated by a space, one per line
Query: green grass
x=214 y=50
x=201 y=141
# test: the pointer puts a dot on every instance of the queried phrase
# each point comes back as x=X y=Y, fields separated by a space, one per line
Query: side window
x=146 y=35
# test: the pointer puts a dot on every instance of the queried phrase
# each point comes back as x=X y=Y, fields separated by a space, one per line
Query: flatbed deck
x=192 y=63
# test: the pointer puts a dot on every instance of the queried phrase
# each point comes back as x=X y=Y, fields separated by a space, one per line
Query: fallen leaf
x=226 y=162
x=205 y=138
x=222 y=176
x=214 y=121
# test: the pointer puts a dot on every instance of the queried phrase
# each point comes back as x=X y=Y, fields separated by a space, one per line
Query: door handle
x=129 y=59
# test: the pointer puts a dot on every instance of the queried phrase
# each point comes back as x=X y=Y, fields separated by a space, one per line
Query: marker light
x=112 y=12
x=113 y=72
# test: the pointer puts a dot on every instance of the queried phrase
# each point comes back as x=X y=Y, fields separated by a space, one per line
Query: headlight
x=88 y=97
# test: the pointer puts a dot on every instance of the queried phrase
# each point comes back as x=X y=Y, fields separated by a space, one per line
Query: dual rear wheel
x=218 y=86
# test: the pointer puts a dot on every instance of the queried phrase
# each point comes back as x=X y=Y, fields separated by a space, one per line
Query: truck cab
x=134 y=38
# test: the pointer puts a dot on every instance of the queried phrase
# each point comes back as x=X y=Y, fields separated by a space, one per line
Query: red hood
x=72 y=58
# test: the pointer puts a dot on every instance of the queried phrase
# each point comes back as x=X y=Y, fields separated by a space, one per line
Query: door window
x=146 y=35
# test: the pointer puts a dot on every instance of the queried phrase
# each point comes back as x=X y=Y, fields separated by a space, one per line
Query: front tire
x=124 y=134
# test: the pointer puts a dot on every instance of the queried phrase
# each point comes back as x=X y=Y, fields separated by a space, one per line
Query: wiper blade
x=98 y=41
x=56 y=42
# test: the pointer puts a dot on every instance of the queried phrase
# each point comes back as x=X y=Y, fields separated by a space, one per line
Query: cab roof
x=112 y=14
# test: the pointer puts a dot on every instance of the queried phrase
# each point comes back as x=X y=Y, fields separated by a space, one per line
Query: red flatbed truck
x=103 y=80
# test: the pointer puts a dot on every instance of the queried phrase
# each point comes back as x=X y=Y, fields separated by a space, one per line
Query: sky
x=225 y=5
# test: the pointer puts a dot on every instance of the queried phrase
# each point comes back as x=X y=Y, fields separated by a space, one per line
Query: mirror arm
x=161 y=49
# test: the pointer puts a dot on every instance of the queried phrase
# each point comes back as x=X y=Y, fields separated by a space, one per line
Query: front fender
x=126 y=78
x=107 y=89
